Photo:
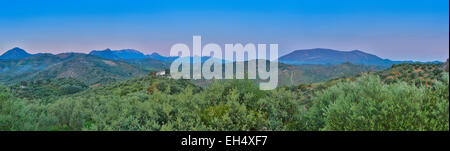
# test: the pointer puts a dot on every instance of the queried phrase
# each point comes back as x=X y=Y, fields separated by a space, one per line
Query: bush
x=368 y=104
x=160 y=104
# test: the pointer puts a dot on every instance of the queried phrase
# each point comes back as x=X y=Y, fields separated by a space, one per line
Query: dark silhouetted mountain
x=15 y=53
x=118 y=54
x=329 y=56
x=106 y=54
x=129 y=54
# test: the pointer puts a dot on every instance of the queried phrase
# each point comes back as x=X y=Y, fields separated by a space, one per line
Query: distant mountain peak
x=118 y=54
x=316 y=49
x=330 y=56
x=17 y=49
x=155 y=54
x=15 y=53
x=129 y=51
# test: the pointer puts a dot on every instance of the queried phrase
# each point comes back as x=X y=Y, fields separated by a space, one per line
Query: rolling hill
x=415 y=73
x=306 y=74
x=289 y=75
x=86 y=68
x=89 y=69
x=13 y=70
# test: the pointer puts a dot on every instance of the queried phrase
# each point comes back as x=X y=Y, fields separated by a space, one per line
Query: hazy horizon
x=1 y=52
x=415 y=30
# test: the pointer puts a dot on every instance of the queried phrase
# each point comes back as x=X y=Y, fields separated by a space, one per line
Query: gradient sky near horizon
x=393 y=29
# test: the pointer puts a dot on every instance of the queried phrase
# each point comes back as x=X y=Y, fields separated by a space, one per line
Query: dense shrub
x=368 y=104
x=161 y=104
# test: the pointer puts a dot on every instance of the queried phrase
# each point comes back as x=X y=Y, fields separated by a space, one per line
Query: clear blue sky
x=393 y=29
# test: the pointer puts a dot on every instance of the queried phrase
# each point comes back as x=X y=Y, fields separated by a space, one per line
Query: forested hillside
x=418 y=74
x=306 y=74
x=292 y=75
x=87 y=68
x=12 y=71
x=365 y=102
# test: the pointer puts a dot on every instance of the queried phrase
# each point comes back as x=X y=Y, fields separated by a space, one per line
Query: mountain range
x=103 y=66
x=128 y=54
x=87 y=68
x=297 y=57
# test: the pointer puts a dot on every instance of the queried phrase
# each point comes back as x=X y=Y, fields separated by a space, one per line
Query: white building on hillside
x=161 y=73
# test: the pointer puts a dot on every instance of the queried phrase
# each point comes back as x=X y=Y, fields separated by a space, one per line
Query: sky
x=393 y=29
